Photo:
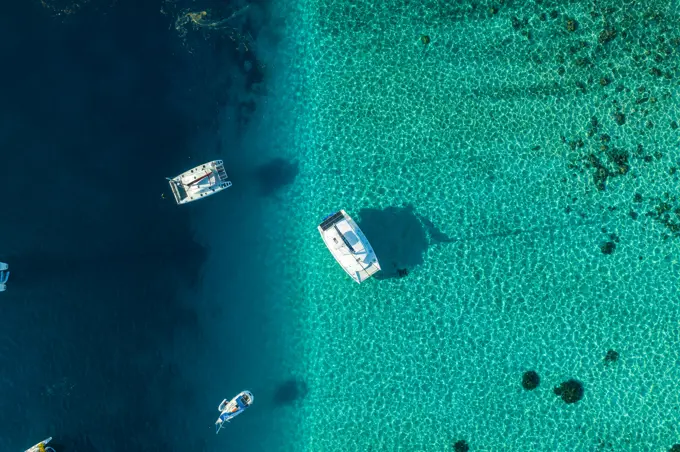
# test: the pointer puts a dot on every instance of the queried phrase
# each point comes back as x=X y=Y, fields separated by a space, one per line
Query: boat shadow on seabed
x=400 y=237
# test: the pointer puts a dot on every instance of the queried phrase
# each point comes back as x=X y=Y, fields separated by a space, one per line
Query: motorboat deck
x=231 y=409
x=349 y=246
x=199 y=182
x=41 y=446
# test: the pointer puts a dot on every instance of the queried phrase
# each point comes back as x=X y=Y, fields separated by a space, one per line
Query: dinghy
x=199 y=182
x=4 y=276
x=231 y=409
x=41 y=446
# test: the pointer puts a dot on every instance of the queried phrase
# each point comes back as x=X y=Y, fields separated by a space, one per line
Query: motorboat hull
x=41 y=446
x=234 y=407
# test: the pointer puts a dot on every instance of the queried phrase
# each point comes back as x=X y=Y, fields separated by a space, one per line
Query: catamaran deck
x=199 y=182
x=349 y=246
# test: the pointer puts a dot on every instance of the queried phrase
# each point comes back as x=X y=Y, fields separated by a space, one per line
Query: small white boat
x=41 y=446
x=349 y=246
x=4 y=276
x=199 y=182
x=231 y=409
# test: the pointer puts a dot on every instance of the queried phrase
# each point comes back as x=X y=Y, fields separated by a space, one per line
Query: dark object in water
x=572 y=25
x=290 y=392
x=611 y=357
x=674 y=448
x=530 y=380
x=276 y=174
x=571 y=391
x=425 y=39
x=620 y=118
x=608 y=248
x=461 y=446
x=606 y=35
x=402 y=272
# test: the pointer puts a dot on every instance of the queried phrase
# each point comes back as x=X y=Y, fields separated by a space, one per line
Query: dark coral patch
x=530 y=380
x=571 y=391
x=608 y=248
x=606 y=35
x=611 y=357
x=461 y=446
x=572 y=25
x=620 y=118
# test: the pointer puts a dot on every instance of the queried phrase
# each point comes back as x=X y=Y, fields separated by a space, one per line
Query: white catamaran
x=231 y=409
x=41 y=446
x=200 y=182
x=349 y=246
x=4 y=276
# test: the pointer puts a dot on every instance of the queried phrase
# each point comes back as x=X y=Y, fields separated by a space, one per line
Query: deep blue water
x=96 y=109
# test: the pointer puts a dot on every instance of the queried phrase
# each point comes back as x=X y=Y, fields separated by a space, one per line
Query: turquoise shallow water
x=539 y=233
x=520 y=161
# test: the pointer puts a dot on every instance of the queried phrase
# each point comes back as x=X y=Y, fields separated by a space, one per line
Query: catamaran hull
x=349 y=246
x=199 y=182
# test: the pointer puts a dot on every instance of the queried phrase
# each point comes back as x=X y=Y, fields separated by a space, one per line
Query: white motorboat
x=41 y=446
x=349 y=246
x=4 y=276
x=200 y=182
x=234 y=407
